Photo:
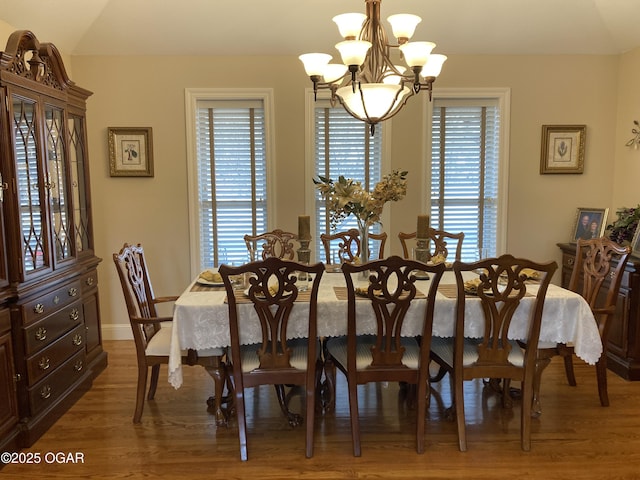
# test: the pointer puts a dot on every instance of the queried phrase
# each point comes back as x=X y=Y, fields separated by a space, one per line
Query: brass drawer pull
x=90 y=281
x=73 y=292
x=77 y=339
x=45 y=392
x=79 y=365
x=74 y=315
x=39 y=308
x=571 y=261
x=44 y=363
x=41 y=334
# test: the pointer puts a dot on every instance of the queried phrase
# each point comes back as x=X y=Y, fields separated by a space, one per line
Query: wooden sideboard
x=623 y=356
x=50 y=338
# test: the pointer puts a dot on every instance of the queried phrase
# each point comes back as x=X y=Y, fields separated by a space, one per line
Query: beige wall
x=626 y=160
x=149 y=91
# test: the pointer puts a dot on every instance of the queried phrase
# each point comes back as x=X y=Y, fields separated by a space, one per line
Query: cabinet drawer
x=53 y=386
x=48 y=330
x=47 y=360
x=46 y=304
x=89 y=281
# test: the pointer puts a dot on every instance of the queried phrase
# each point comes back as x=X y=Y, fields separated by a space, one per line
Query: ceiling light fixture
x=369 y=84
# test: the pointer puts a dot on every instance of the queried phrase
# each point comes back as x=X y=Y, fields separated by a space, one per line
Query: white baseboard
x=117 y=332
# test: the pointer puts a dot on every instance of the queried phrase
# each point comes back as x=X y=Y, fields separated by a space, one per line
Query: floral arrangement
x=623 y=229
x=347 y=197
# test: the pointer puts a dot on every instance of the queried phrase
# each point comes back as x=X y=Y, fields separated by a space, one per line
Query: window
x=342 y=145
x=468 y=171
x=228 y=185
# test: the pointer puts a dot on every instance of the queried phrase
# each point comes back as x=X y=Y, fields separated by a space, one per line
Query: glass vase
x=363 y=228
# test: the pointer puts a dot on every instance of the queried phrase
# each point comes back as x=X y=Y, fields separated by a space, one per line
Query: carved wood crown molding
x=27 y=58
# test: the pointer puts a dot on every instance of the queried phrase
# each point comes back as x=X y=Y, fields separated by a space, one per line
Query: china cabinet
x=51 y=348
x=623 y=354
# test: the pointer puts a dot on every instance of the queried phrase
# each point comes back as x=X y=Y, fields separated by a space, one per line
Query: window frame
x=192 y=97
x=503 y=97
x=309 y=164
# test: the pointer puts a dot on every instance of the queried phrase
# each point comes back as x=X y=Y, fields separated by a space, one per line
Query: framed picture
x=562 y=148
x=635 y=243
x=130 y=152
x=589 y=223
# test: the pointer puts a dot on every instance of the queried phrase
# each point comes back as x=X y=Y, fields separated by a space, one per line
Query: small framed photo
x=562 y=148
x=131 y=152
x=635 y=243
x=589 y=223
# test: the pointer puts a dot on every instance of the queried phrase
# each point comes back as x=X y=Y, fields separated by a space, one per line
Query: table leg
x=219 y=374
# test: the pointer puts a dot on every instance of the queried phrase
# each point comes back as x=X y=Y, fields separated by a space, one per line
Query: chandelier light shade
x=371 y=84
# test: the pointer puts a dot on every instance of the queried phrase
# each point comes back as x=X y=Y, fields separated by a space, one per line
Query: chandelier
x=370 y=84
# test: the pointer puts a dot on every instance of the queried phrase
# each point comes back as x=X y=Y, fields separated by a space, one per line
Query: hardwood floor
x=574 y=438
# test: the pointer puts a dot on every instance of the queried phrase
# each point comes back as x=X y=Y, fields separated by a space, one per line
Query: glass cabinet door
x=4 y=274
x=56 y=184
x=31 y=207
x=77 y=162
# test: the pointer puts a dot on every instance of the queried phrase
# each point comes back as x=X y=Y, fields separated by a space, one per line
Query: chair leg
x=140 y=391
x=242 y=423
x=601 y=373
x=458 y=399
x=543 y=360
x=526 y=414
x=354 y=414
x=312 y=407
x=422 y=402
x=155 y=373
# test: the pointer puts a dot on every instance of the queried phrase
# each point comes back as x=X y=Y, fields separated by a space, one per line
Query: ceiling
x=293 y=27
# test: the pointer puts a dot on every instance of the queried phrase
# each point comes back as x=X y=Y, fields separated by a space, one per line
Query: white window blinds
x=343 y=146
x=232 y=178
x=464 y=171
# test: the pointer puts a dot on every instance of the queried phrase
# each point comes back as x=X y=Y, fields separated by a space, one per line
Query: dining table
x=201 y=318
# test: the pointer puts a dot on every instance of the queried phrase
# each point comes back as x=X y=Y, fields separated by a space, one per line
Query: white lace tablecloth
x=200 y=320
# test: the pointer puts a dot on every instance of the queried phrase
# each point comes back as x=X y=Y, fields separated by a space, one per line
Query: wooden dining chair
x=348 y=243
x=500 y=291
x=597 y=279
x=438 y=243
x=152 y=333
x=277 y=360
x=276 y=243
x=385 y=355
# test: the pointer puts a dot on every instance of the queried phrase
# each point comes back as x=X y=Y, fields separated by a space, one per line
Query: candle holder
x=304 y=257
x=421 y=254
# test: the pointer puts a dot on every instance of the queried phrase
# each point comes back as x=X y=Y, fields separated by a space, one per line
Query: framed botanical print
x=562 y=148
x=130 y=152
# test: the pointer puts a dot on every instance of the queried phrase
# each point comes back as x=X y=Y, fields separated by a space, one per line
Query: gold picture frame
x=130 y=151
x=562 y=148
